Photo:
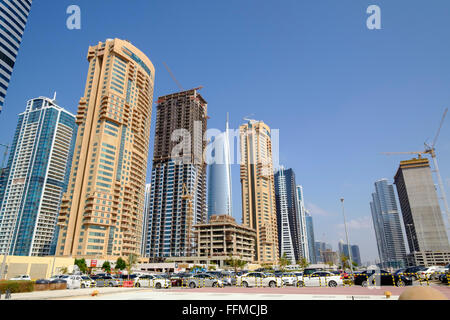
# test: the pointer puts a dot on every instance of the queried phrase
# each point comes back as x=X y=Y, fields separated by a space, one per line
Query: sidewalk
x=56 y=294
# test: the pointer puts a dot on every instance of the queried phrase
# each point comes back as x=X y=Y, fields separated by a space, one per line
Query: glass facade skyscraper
x=386 y=222
x=35 y=179
x=302 y=227
x=310 y=237
x=13 y=19
x=219 y=178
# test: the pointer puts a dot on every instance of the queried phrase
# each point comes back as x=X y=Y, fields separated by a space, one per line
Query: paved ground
x=228 y=293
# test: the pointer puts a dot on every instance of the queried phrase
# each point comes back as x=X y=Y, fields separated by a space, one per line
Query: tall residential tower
x=36 y=178
x=101 y=213
x=258 y=191
x=178 y=193
x=13 y=19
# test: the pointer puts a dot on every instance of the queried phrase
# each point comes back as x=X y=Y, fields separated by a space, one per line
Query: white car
x=289 y=279
x=73 y=281
x=23 y=277
x=151 y=281
x=87 y=282
x=432 y=272
x=258 y=279
x=320 y=279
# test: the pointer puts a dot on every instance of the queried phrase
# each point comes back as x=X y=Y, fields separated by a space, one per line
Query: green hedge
x=16 y=286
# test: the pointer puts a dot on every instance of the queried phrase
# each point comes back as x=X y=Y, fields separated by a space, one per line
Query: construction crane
x=173 y=77
x=189 y=197
x=431 y=150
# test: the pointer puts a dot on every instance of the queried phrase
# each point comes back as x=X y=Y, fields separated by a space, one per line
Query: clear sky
x=340 y=94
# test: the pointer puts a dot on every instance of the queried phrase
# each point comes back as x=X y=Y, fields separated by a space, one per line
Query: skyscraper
x=219 y=179
x=290 y=216
x=148 y=190
x=355 y=253
x=258 y=192
x=36 y=178
x=178 y=194
x=424 y=225
x=303 y=228
x=386 y=222
x=285 y=202
x=13 y=19
x=311 y=239
x=101 y=213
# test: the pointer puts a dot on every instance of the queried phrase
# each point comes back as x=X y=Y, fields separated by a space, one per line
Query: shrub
x=16 y=286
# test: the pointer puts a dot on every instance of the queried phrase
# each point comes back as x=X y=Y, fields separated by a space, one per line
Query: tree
x=64 y=270
x=345 y=262
x=121 y=264
x=303 y=263
x=131 y=262
x=81 y=263
x=235 y=263
x=284 y=261
x=106 y=266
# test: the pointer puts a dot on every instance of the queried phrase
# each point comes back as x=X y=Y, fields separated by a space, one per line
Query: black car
x=382 y=278
x=412 y=272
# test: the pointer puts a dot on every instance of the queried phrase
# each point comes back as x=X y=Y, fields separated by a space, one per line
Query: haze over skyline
x=339 y=94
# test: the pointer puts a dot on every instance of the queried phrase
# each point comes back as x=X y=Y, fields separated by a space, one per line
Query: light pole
x=346 y=235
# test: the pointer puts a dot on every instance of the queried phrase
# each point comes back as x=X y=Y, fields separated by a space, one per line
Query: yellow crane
x=431 y=150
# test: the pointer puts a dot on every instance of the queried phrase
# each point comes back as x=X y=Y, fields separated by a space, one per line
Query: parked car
x=321 y=279
x=73 y=281
x=444 y=277
x=107 y=281
x=87 y=282
x=179 y=279
x=413 y=272
x=309 y=271
x=151 y=281
x=204 y=280
x=258 y=279
x=228 y=278
x=289 y=278
x=382 y=278
x=431 y=273
x=23 y=277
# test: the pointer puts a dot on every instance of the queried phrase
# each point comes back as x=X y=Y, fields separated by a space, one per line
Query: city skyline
x=353 y=170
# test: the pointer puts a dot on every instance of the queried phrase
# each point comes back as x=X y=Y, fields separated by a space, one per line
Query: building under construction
x=178 y=192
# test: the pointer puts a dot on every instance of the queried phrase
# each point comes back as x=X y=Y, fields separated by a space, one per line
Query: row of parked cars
x=310 y=277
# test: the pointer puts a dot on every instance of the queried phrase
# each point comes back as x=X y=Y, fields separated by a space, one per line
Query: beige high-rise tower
x=102 y=211
x=258 y=190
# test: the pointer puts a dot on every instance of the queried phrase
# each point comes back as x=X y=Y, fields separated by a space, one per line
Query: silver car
x=204 y=280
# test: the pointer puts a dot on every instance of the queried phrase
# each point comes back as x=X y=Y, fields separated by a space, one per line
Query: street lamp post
x=346 y=235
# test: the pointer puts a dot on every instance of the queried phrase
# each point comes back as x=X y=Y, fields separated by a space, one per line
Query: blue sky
x=339 y=93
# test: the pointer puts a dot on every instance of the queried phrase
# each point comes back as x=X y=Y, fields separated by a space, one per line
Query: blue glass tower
x=219 y=180
x=13 y=19
x=310 y=237
x=35 y=179
x=386 y=222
